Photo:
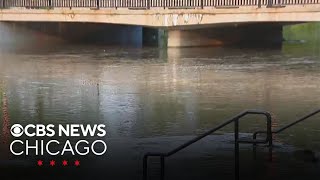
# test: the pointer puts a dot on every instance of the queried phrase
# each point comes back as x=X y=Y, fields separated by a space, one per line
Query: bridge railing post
x=3 y=4
x=259 y=3
x=148 y=4
x=50 y=4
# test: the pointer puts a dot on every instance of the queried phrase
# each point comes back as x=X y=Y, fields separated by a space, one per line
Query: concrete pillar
x=163 y=38
x=191 y=38
x=155 y=37
x=150 y=36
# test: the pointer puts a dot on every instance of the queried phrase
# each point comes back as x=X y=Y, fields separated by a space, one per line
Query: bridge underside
x=40 y=34
x=243 y=34
x=163 y=27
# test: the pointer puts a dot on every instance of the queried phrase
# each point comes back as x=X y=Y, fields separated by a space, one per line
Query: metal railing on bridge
x=147 y=4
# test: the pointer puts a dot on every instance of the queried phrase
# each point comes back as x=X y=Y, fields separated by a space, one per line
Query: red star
x=65 y=163
x=40 y=163
x=77 y=163
x=52 y=163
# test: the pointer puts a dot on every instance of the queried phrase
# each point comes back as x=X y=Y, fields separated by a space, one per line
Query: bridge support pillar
x=191 y=38
x=155 y=37
x=163 y=38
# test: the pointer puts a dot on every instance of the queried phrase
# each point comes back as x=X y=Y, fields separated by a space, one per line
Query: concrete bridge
x=174 y=22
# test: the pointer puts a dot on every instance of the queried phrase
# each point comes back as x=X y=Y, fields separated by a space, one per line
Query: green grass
x=309 y=32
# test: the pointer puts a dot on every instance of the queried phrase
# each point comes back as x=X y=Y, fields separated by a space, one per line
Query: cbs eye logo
x=16 y=130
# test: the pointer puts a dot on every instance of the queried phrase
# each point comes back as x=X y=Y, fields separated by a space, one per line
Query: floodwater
x=155 y=100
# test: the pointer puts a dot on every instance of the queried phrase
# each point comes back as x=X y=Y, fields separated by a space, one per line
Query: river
x=157 y=99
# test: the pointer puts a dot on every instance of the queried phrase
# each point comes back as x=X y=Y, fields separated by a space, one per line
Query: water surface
x=149 y=96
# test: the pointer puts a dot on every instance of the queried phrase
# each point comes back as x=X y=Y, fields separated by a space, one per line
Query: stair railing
x=255 y=134
x=234 y=120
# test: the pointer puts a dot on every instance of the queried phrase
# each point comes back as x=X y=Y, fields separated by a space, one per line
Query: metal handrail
x=147 y=4
x=255 y=134
x=235 y=120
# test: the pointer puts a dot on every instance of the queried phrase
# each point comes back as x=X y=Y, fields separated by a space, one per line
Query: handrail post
x=145 y=167
x=254 y=146
x=269 y=135
x=148 y=4
x=269 y=130
x=98 y=4
x=201 y=4
x=269 y=3
x=162 y=168
x=236 y=149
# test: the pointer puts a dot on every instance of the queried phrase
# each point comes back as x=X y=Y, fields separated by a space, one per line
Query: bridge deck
x=147 y=4
x=161 y=13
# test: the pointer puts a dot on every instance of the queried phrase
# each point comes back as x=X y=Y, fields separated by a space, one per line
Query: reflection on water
x=5 y=123
x=142 y=93
x=146 y=92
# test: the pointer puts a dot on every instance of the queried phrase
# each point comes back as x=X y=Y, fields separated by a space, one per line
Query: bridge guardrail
x=147 y=4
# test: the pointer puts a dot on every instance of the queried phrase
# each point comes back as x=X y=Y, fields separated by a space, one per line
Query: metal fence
x=147 y=4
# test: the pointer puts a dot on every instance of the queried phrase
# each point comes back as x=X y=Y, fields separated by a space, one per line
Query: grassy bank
x=308 y=32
